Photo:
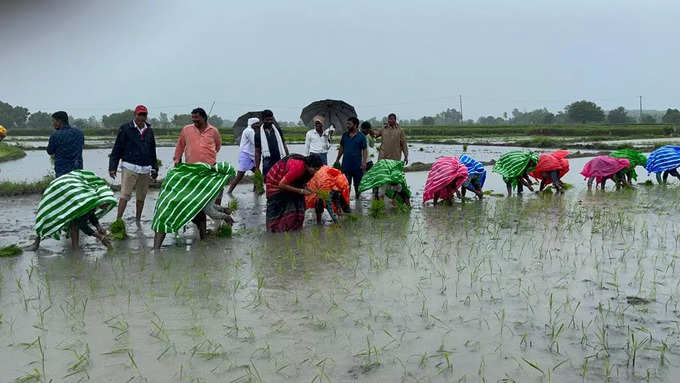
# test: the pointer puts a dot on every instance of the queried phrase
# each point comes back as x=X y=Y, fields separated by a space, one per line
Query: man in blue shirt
x=66 y=145
x=353 y=146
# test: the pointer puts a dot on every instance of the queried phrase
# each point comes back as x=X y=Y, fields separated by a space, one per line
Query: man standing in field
x=318 y=140
x=66 y=145
x=353 y=147
x=198 y=142
x=270 y=145
x=393 y=141
x=135 y=150
x=246 y=157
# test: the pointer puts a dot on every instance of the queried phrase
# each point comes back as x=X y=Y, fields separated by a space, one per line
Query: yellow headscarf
x=3 y=131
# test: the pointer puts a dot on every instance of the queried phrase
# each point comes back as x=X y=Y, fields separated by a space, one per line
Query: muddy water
x=37 y=164
x=473 y=292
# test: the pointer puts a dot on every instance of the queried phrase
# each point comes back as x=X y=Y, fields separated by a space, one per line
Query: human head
x=141 y=114
x=59 y=119
x=318 y=122
x=199 y=117
x=365 y=127
x=391 y=119
x=313 y=163
x=267 y=118
x=352 y=124
x=254 y=122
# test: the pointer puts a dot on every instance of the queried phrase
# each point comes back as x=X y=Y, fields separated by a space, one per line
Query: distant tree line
x=579 y=112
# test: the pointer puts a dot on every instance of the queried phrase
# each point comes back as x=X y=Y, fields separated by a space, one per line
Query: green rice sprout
x=10 y=251
x=118 y=230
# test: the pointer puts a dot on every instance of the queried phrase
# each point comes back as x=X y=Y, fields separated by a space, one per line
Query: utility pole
x=640 y=120
x=460 y=103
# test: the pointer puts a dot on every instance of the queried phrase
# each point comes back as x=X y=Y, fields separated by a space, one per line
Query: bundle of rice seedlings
x=377 y=209
x=118 y=230
x=258 y=181
x=10 y=251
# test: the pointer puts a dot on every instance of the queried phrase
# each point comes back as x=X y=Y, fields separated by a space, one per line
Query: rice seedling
x=258 y=181
x=377 y=209
x=10 y=251
x=118 y=231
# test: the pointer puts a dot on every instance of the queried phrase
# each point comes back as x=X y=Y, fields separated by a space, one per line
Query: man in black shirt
x=273 y=147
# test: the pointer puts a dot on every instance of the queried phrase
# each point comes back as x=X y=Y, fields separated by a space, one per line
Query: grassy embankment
x=10 y=152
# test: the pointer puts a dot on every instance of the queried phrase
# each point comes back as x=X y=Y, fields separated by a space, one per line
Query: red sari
x=286 y=210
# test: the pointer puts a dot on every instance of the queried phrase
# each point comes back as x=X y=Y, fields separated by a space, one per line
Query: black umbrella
x=242 y=123
x=336 y=112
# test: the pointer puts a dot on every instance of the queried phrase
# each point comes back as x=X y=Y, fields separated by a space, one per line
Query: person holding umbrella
x=318 y=140
x=270 y=145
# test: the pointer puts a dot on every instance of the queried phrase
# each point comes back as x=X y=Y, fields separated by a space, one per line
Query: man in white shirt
x=318 y=140
x=246 y=157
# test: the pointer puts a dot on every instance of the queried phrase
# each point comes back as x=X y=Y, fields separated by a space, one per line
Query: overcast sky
x=409 y=57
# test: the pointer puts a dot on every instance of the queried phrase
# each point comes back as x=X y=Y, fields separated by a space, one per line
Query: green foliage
x=39 y=120
x=181 y=119
x=584 y=111
x=672 y=116
x=10 y=251
x=647 y=119
x=224 y=231
x=233 y=205
x=258 y=181
x=9 y=152
x=115 y=120
x=377 y=209
x=118 y=230
x=13 y=117
x=618 y=116
x=8 y=188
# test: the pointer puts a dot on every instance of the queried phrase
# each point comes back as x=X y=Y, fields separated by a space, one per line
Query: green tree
x=13 y=117
x=216 y=121
x=584 y=111
x=618 y=116
x=672 y=116
x=39 y=120
x=181 y=120
x=427 y=121
x=647 y=119
x=448 y=117
x=115 y=120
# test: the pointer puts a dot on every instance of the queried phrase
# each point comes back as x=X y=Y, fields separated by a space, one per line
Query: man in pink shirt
x=198 y=142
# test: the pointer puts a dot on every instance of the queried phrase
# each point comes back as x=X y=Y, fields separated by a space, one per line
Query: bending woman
x=603 y=168
x=330 y=191
x=388 y=177
x=634 y=157
x=515 y=166
x=551 y=168
x=476 y=176
x=286 y=191
x=445 y=178
x=664 y=160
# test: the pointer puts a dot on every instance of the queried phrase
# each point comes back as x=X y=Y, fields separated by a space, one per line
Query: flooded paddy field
x=565 y=288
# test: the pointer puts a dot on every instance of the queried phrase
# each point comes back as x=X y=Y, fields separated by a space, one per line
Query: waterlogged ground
x=578 y=287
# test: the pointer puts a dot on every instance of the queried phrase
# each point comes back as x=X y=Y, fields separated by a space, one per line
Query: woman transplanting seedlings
x=388 y=177
x=70 y=203
x=603 y=168
x=515 y=166
x=444 y=180
x=286 y=191
x=551 y=168
x=635 y=158
x=664 y=160
x=330 y=191
x=476 y=176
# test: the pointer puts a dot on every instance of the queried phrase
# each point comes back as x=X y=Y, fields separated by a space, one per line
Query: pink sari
x=446 y=176
x=603 y=166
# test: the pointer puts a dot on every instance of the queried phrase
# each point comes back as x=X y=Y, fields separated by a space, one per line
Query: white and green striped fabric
x=69 y=197
x=185 y=191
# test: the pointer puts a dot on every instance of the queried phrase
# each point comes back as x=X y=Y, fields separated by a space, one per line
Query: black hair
x=61 y=116
x=365 y=125
x=201 y=113
x=314 y=161
x=267 y=113
x=354 y=120
x=391 y=115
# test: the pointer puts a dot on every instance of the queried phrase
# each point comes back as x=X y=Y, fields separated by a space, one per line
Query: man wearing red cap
x=135 y=150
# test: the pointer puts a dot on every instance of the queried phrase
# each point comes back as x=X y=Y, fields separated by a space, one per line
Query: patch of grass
x=233 y=205
x=118 y=230
x=9 y=152
x=377 y=209
x=9 y=188
x=224 y=231
x=10 y=251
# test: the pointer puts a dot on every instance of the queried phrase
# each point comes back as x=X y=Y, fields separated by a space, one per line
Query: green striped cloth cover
x=69 y=197
x=513 y=164
x=185 y=191
x=385 y=172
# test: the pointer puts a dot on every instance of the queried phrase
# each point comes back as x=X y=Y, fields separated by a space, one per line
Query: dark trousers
x=354 y=176
x=323 y=156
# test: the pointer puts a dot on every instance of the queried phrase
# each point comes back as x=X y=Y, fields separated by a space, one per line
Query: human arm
x=341 y=150
x=258 y=158
x=295 y=169
x=364 y=154
x=283 y=141
x=116 y=152
x=308 y=143
x=154 y=158
x=179 y=148
x=218 y=140
x=404 y=146
x=52 y=144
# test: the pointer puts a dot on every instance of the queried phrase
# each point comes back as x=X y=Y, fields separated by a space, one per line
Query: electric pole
x=640 y=120
x=460 y=103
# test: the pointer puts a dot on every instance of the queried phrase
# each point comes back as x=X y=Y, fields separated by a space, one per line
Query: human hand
x=154 y=173
x=112 y=173
x=405 y=161
x=363 y=166
x=305 y=191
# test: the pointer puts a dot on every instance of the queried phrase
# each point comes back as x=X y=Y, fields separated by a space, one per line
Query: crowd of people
x=192 y=190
